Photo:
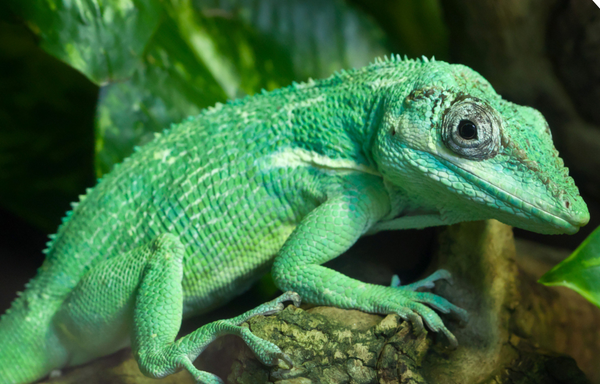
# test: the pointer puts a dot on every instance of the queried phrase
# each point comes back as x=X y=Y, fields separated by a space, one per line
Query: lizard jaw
x=565 y=223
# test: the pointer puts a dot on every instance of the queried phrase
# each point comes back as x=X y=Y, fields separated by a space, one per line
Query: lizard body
x=287 y=180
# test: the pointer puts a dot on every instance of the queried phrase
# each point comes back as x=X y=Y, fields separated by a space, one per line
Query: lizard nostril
x=567 y=204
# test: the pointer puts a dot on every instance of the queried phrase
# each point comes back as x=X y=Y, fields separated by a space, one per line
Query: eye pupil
x=467 y=130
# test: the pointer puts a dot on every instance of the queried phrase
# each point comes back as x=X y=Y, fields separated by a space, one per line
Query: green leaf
x=102 y=39
x=320 y=37
x=580 y=271
x=160 y=61
x=169 y=86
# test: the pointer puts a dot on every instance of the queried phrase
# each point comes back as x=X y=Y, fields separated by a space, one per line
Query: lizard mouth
x=561 y=224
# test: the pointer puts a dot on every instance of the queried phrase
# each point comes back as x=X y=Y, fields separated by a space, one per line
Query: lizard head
x=453 y=146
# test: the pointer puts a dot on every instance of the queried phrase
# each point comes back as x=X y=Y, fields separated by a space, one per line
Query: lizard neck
x=335 y=120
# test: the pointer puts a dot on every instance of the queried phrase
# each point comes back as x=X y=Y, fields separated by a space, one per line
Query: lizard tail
x=29 y=347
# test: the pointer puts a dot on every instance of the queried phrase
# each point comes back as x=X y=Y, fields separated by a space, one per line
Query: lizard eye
x=467 y=130
x=471 y=129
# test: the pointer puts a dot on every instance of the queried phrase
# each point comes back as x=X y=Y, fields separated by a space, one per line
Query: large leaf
x=104 y=39
x=210 y=51
x=170 y=85
x=581 y=270
x=319 y=36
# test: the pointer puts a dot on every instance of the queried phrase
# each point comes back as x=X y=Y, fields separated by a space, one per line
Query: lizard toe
x=284 y=361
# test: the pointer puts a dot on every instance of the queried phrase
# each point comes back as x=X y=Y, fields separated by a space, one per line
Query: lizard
x=283 y=180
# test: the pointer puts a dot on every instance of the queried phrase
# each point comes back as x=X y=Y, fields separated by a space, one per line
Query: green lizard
x=286 y=180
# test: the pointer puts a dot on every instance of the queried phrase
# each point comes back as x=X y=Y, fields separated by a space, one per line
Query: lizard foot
x=180 y=354
x=416 y=307
x=201 y=377
x=267 y=352
x=426 y=283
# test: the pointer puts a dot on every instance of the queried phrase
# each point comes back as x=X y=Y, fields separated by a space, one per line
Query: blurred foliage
x=580 y=271
x=159 y=61
x=101 y=39
x=414 y=28
x=46 y=130
x=208 y=51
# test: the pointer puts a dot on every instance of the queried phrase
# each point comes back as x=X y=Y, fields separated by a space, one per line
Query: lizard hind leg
x=157 y=318
x=139 y=295
x=98 y=316
x=268 y=353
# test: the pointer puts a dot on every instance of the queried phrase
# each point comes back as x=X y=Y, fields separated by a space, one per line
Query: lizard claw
x=296 y=299
x=462 y=316
x=418 y=308
x=290 y=296
x=426 y=283
x=414 y=319
x=276 y=305
x=451 y=340
x=417 y=324
x=284 y=361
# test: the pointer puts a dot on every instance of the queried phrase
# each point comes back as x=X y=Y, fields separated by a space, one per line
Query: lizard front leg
x=140 y=293
x=331 y=229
